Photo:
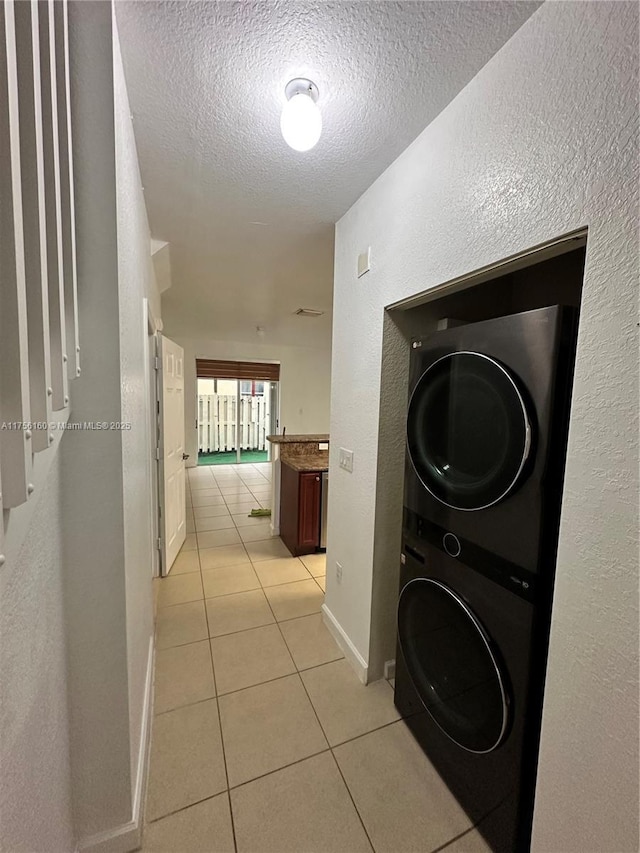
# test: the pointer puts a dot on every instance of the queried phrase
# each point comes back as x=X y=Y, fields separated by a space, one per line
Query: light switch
x=346 y=459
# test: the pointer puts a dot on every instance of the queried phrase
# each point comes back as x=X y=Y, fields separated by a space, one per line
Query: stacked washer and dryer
x=486 y=443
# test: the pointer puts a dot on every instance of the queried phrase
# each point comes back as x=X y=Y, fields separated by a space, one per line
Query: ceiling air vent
x=308 y=312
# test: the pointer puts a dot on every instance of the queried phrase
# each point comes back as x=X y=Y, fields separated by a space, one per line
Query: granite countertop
x=297 y=439
x=312 y=462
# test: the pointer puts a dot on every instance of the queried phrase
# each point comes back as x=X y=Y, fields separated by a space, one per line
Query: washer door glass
x=452 y=665
x=468 y=432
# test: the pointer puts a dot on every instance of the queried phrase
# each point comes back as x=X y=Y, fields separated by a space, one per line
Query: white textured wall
x=35 y=787
x=75 y=597
x=305 y=381
x=92 y=478
x=541 y=142
x=136 y=280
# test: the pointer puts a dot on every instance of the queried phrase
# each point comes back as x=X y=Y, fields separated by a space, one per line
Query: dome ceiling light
x=301 y=119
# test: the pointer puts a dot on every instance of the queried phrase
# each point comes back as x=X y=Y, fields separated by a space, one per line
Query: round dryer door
x=468 y=432
x=452 y=665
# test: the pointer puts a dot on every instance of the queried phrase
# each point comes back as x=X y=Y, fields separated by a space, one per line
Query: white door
x=172 y=473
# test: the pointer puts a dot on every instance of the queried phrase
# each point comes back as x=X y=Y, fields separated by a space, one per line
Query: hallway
x=263 y=738
x=158 y=213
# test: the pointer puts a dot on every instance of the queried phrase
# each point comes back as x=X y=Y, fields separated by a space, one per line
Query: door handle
x=185 y=456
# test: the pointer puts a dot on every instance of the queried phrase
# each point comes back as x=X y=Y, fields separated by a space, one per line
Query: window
x=252 y=388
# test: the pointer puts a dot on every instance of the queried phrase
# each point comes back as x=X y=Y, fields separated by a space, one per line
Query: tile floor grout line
x=250 y=629
x=318 y=585
x=226 y=594
x=297 y=671
x=187 y=704
x=181 y=645
x=231 y=817
x=299 y=760
x=318 y=665
x=357 y=810
x=258 y=626
x=259 y=683
x=285 y=583
x=355 y=737
x=299 y=676
x=224 y=753
x=315 y=665
x=473 y=827
x=184 y=808
x=370 y=732
x=265 y=560
x=304 y=687
x=278 y=769
x=324 y=734
x=282 y=635
x=219 y=724
x=241 y=592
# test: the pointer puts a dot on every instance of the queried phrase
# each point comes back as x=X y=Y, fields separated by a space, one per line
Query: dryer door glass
x=452 y=665
x=468 y=432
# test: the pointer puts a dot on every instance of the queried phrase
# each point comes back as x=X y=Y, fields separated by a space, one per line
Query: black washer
x=452 y=665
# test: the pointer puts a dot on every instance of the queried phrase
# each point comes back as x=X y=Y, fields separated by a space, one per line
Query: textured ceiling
x=250 y=221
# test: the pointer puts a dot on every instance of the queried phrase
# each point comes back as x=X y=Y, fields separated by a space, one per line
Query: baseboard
x=351 y=653
x=121 y=839
x=142 y=769
x=128 y=836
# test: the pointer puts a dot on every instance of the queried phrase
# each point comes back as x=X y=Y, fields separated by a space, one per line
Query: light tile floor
x=264 y=740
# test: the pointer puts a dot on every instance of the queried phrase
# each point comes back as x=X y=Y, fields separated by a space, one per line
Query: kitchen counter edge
x=297 y=439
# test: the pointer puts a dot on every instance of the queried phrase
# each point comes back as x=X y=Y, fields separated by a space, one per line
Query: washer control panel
x=418 y=530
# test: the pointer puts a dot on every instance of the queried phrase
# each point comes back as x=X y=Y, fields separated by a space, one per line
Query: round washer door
x=452 y=665
x=468 y=431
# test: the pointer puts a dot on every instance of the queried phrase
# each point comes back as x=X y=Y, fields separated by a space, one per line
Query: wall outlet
x=345 y=460
x=323 y=445
x=339 y=572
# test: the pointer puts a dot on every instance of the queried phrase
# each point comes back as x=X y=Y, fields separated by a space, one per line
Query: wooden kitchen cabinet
x=300 y=507
x=309 y=511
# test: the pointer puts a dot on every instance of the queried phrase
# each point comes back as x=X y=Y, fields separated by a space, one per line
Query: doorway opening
x=237 y=408
x=546 y=275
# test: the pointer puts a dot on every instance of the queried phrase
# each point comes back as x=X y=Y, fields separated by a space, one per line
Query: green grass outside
x=229 y=458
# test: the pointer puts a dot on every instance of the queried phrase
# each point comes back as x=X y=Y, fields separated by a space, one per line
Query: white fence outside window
x=217 y=420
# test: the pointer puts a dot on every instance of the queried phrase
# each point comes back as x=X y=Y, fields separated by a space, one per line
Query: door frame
x=151 y=327
x=274 y=412
x=238 y=423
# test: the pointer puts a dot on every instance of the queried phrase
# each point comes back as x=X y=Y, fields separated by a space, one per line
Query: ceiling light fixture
x=301 y=119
